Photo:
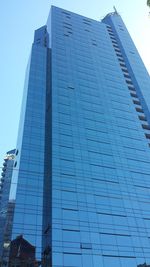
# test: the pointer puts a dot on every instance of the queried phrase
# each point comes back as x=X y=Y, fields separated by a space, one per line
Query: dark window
x=129 y=82
x=131 y=88
x=127 y=76
x=122 y=64
x=145 y=126
x=139 y=109
x=66 y=23
x=124 y=70
x=137 y=102
x=87 y=23
x=117 y=50
x=111 y=34
x=66 y=13
x=120 y=59
x=87 y=20
x=68 y=27
x=109 y=27
x=147 y=136
x=114 y=41
x=119 y=55
x=86 y=246
x=142 y=118
x=15 y=164
x=115 y=45
x=132 y=52
x=113 y=38
x=70 y=87
x=134 y=95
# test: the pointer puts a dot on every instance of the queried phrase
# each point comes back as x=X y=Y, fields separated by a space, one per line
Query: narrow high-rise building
x=6 y=206
x=81 y=182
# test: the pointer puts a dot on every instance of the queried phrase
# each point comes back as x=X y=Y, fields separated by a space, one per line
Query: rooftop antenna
x=115 y=9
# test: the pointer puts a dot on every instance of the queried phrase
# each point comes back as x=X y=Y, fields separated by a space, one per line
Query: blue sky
x=18 y=21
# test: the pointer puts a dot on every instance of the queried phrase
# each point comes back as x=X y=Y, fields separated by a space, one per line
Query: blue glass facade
x=28 y=175
x=100 y=144
x=82 y=189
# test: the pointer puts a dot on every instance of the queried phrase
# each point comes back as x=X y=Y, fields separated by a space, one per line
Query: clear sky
x=19 y=19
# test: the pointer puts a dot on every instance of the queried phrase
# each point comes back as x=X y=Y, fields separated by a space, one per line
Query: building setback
x=82 y=183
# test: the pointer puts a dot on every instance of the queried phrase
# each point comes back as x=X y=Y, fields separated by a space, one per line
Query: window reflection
x=22 y=253
x=143 y=265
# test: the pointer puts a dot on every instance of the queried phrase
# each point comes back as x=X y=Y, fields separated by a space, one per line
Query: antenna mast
x=115 y=9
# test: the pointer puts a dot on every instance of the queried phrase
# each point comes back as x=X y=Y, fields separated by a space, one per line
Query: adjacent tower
x=6 y=206
x=82 y=183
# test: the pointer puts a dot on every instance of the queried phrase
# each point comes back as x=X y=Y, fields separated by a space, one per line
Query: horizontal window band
x=96 y=130
x=132 y=138
x=146 y=187
x=66 y=23
x=70 y=230
x=70 y=209
x=87 y=23
x=148 y=174
x=109 y=181
x=61 y=134
x=144 y=161
x=71 y=191
x=87 y=20
x=67 y=27
x=69 y=253
x=67 y=159
x=71 y=147
x=99 y=153
x=107 y=198
x=66 y=13
x=114 y=234
x=119 y=256
x=112 y=214
x=67 y=174
x=102 y=166
x=97 y=141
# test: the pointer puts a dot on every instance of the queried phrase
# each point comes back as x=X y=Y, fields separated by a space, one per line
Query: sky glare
x=18 y=21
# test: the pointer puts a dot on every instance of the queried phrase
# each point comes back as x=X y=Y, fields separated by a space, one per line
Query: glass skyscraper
x=81 y=181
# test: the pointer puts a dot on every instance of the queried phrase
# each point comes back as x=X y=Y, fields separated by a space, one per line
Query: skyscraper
x=81 y=184
x=6 y=206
